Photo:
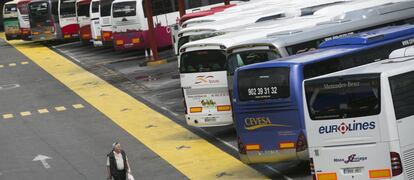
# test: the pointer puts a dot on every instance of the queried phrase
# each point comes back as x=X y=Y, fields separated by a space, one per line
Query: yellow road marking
x=42 y=111
x=25 y=113
x=24 y=62
x=60 y=108
x=8 y=116
x=12 y=64
x=78 y=106
x=1 y=66
x=198 y=160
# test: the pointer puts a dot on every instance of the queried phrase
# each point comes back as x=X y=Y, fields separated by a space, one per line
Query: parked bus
x=95 y=23
x=268 y=104
x=267 y=12
x=105 y=22
x=129 y=29
x=67 y=19
x=208 y=12
x=200 y=53
x=44 y=20
x=84 y=20
x=10 y=21
x=23 y=16
x=359 y=121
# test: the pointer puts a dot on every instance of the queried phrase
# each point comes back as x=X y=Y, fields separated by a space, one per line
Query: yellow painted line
x=78 y=106
x=25 y=113
x=1 y=66
x=42 y=111
x=192 y=155
x=24 y=62
x=60 y=108
x=8 y=116
x=12 y=64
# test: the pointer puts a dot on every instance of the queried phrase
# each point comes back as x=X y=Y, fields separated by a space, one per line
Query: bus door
x=10 y=21
x=41 y=21
x=343 y=127
x=204 y=82
x=67 y=19
x=95 y=23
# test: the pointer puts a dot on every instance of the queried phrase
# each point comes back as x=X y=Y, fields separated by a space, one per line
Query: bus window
x=67 y=8
x=402 y=90
x=10 y=8
x=124 y=9
x=243 y=58
x=95 y=7
x=202 y=61
x=39 y=13
x=83 y=10
x=266 y=83
x=23 y=10
x=336 y=98
x=106 y=8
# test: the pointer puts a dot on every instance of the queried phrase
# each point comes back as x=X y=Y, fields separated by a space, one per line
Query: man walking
x=117 y=163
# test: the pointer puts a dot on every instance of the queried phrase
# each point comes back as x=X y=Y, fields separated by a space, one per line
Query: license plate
x=210 y=119
x=354 y=170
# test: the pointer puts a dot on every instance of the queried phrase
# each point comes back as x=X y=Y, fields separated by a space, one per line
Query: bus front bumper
x=212 y=120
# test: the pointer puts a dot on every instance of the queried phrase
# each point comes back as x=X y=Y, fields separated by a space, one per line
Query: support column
x=151 y=33
x=226 y=2
x=181 y=7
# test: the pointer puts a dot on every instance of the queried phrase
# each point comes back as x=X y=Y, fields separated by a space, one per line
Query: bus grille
x=409 y=163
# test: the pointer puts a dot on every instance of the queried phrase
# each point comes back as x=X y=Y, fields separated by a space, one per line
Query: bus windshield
x=343 y=97
x=95 y=7
x=203 y=61
x=39 y=13
x=124 y=9
x=106 y=8
x=23 y=9
x=83 y=10
x=243 y=58
x=264 y=83
x=67 y=8
x=10 y=8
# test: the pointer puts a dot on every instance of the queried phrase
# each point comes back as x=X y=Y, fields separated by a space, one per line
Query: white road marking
x=43 y=158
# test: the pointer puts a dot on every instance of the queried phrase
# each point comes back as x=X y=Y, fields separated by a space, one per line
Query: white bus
x=218 y=50
x=23 y=16
x=266 y=12
x=84 y=20
x=67 y=19
x=10 y=21
x=95 y=23
x=359 y=121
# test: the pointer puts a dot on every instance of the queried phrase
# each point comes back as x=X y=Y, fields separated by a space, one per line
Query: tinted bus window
x=243 y=58
x=83 y=10
x=124 y=9
x=95 y=7
x=10 y=8
x=402 y=90
x=265 y=83
x=202 y=61
x=343 y=97
x=23 y=10
x=39 y=10
x=67 y=8
x=106 y=7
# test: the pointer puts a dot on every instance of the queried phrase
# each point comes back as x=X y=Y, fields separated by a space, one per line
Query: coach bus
x=84 y=20
x=44 y=20
x=105 y=22
x=359 y=121
x=95 y=23
x=268 y=104
x=10 y=21
x=23 y=16
x=67 y=19
x=199 y=53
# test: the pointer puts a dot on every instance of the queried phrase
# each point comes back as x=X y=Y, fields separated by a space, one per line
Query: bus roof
x=23 y=1
x=390 y=67
x=83 y=1
x=383 y=34
x=118 y=1
x=346 y=22
x=11 y=2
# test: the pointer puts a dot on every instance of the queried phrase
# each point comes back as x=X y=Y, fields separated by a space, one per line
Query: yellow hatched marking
x=24 y=62
x=78 y=106
x=25 y=113
x=12 y=64
x=8 y=116
x=193 y=156
x=60 y=108
x=42 y=111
